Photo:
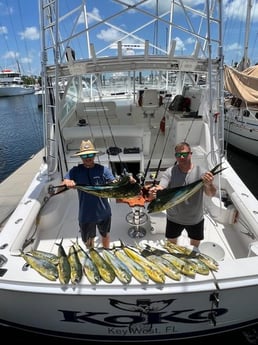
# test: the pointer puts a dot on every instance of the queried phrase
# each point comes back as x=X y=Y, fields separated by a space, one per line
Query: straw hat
x=86 y=148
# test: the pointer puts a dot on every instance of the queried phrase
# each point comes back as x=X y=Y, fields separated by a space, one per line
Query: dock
x=13 y=187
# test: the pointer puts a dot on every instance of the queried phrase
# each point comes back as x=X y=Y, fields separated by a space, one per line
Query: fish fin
x=214 y=170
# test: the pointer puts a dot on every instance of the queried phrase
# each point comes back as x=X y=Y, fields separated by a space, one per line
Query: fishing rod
x=160 y=161
x=53 y=102
x=163 y=151
x=152 y=152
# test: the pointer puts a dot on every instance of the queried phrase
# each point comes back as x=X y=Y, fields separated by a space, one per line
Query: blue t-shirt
x=91 y=208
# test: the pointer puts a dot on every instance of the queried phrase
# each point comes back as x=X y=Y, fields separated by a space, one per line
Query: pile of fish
x=123 y=262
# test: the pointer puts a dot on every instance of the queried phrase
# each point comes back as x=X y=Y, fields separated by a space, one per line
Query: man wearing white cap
x=94 y=212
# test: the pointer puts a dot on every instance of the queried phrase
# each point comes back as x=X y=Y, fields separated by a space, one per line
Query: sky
x=20 y=36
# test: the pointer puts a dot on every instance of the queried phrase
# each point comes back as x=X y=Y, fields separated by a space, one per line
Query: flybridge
x=123 y=62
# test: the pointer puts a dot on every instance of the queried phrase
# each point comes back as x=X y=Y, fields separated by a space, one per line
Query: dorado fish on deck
x=183 y=267
x=43 y=266
x=40 y=254
x=121 y=270
x=75 y=265
x=121 y=189
x=170 y=197
x=136 y=270
x=153 y=271
x=64 y=269
x=169 y=269
x=105 y=270
x=88 y=266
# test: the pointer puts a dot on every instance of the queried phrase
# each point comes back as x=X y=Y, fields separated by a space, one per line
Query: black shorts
x=195 y=231
x=88 y=230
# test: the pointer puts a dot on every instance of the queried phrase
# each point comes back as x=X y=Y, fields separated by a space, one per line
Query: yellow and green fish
x=153 y=271
x=88 y=266
x=64 y=268
x=43 y=266
x=170 y=197
x=105 y=270
x=121 y=270
x=118 y=190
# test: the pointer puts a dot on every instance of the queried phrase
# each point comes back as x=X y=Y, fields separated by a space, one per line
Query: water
x=21 y=137
x=246 y=167
x=21 y=124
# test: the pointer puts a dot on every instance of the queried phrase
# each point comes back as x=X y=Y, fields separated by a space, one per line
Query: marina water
x=21 y=131
x=21 y=128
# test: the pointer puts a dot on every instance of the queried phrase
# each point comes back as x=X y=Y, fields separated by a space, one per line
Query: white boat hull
x=129 y=314
x=242 y=133
x=8 y=91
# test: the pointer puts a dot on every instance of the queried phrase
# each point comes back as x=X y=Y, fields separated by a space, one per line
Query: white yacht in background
x=135 y=109
x=11 y=84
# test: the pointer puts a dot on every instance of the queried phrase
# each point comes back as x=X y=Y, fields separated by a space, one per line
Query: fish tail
x=214 y=170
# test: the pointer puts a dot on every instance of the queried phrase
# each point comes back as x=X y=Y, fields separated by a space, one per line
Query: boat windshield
x=70 y=97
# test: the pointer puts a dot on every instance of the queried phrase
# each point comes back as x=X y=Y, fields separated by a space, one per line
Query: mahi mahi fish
x=121 y=270
x=64 y=268
x=183 y=267
x=120 y=189
x=153 y=271
x=170 y=197
x=88 y=266
x=167 y=267
x=136 y=270
x=43 y=266
x=44 y=255
x=105 y=270
x=75 y=265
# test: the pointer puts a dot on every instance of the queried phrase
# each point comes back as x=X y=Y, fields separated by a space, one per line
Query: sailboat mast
x=246 y=61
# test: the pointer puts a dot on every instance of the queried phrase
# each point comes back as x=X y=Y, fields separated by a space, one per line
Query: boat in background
x=39 y=97
x=241 y=102
x=241 y=109
x=11 y=84
x=135 y=107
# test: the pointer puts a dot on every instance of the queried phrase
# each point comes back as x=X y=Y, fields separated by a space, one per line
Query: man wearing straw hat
x=94 y=212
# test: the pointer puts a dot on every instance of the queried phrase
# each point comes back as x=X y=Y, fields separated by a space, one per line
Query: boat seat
x=150 y=101
x=102 y=136
x=95 y=113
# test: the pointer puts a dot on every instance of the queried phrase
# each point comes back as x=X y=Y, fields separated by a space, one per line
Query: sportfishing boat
x=241 y=108
x=11 y=84
x=135 y=99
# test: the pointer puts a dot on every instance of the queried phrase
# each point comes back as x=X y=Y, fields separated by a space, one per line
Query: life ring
x=162 y=124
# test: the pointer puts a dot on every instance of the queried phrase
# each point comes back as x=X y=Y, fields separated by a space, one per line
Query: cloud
x=30 y=33
x=109 y=35
x=234 y=9
x=11 y=55
x=3 y=30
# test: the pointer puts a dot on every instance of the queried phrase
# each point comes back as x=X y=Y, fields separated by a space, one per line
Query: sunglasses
x=89 y=155
x=182 y=154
